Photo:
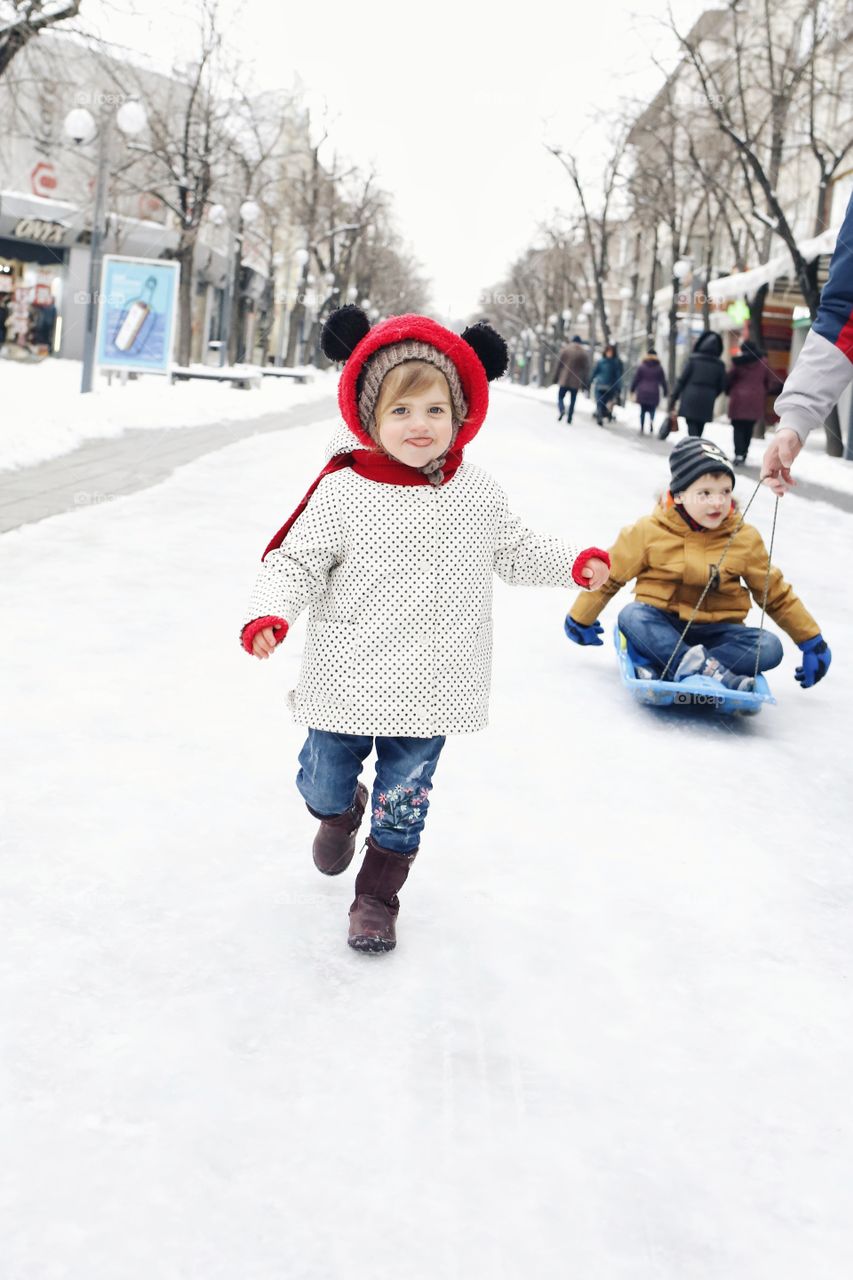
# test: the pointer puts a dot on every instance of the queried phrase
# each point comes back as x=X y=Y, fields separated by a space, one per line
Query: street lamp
x=82 y=127
x=250 y=211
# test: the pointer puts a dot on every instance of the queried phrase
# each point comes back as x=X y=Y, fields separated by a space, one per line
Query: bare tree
x=664 y=192
x=830 y=139
x=24 y=20
x=186 y=137
x=753 y=111
x=597 y=228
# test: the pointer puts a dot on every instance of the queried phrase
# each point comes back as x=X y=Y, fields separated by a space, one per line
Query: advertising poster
x=137 y=314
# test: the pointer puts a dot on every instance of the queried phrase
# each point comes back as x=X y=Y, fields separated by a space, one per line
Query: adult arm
x=824 y=367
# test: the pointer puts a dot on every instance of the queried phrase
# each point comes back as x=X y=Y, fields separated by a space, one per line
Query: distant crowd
x=704 y=377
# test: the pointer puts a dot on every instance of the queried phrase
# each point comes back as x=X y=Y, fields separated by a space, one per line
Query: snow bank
x=44 y=415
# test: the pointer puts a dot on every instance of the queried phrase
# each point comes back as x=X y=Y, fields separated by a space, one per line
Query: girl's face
x=708 y=500
x=418 y=427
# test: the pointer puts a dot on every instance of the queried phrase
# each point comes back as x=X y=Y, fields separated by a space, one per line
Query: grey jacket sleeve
x=814 y=385
x=824 y=367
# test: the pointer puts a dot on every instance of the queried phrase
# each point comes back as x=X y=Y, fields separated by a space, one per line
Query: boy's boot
x=697 y=663
x=373 y=914
x=334 y=843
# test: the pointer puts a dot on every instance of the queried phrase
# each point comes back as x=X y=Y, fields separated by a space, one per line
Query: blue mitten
x=817 y=656
x=583 y=635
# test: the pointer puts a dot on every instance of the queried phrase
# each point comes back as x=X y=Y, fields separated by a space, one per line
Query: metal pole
x=225 y=327
x=96 y=254
x=284 y=315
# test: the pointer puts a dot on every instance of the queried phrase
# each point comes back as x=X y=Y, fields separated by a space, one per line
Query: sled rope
x=766 y=586
x=710 y=583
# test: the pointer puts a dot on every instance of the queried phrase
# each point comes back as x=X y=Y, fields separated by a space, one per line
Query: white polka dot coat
x=398 y=583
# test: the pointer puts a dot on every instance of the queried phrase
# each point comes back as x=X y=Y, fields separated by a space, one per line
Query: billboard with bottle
x=137 y=314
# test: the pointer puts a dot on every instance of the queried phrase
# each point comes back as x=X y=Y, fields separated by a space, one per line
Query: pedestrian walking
x=394 y=549
x=648 y=384
x=606 y=378
x=702 y=379
x=748 y=383
x=571 y=375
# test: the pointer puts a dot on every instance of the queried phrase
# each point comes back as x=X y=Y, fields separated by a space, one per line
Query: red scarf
x=373 y=465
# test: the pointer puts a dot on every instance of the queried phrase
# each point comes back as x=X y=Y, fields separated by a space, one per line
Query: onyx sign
x=38 y=229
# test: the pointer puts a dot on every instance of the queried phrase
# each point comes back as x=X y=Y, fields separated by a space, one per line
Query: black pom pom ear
x=343 y=331
x=489 y=347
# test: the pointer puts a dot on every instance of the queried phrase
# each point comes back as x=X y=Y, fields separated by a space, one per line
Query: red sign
x=43 y=179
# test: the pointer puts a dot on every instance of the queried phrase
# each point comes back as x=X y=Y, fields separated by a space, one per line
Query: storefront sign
x=38 y=229
x=43 y=178
x=137 y=314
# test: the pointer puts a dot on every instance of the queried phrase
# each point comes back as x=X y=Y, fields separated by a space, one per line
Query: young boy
x=673 y=554
x=394 y=549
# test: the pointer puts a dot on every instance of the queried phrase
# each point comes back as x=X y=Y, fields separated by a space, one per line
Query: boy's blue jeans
x=654 y=634
x=330 y=764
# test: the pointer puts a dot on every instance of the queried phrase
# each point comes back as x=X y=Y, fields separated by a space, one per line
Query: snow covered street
x=614 y=1042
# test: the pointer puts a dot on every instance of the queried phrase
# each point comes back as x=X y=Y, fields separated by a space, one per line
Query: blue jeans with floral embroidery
x=329 y=768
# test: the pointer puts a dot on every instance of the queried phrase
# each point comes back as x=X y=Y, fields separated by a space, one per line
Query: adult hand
x=580 y=634
x=817 y=656
x=778 y=460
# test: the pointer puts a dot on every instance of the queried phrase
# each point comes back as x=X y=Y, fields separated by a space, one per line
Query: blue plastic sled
x=695 y=691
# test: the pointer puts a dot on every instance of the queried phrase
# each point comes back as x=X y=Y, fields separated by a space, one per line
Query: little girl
x=393 y=549
x=674 y=554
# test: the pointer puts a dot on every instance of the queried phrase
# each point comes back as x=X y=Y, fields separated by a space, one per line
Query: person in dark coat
x=702 y=379
x=571 y=374
x=750 y=381
x=607 y=377
x=648 y=384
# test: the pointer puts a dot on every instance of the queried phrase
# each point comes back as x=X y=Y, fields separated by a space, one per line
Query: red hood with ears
x=475 y=384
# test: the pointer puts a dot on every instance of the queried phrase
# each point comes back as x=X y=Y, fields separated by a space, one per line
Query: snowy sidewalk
x=614 y=1042
x=101 y=470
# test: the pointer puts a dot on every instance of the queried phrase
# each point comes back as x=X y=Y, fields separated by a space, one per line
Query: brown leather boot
x=334 y=843
x=373 y=915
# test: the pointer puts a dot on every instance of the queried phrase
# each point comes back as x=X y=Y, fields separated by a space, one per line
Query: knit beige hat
x=386 y=359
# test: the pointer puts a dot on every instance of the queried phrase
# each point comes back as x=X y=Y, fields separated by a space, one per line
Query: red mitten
x=591 y=553
x=251 y=629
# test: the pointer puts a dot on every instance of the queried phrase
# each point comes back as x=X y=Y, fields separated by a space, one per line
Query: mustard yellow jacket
x=672 y=564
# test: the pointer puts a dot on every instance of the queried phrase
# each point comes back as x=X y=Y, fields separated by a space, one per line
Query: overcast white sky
x=451 y=101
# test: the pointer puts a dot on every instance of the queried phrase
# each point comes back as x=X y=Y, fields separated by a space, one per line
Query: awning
x=18 y=204
x=132 y=236
x=743 y=284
